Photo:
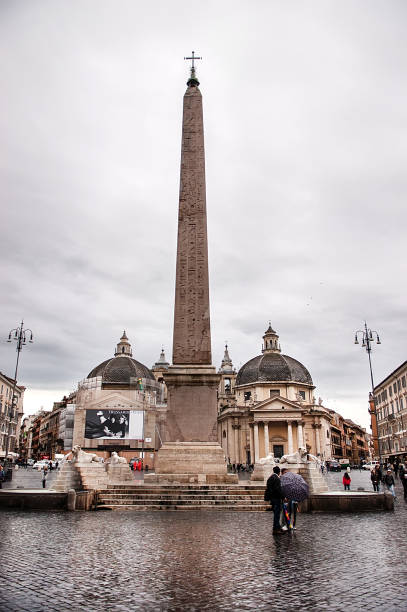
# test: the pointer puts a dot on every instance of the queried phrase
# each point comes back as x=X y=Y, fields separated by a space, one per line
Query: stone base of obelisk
x=190 y=463
x=191 y=452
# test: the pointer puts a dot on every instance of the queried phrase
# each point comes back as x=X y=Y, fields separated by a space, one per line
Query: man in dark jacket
x=274 y=495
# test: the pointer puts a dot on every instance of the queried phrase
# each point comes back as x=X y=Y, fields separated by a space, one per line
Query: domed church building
x=273 y=409
x=118 y=407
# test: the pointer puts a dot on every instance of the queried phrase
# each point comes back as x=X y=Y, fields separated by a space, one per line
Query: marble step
x=181 y=500
x=104 y=495
x=158 y=507
x=159 y=491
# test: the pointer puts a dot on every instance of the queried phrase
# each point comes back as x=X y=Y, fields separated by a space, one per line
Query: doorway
x=278 y=450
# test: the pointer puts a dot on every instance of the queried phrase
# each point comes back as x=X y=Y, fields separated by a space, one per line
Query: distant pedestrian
x=56 y=464
x=376 y=478
x=389 y=482
x=274 y=495
x=346 y=480
x=44 y=478
x=2 y=476
x=396 y=470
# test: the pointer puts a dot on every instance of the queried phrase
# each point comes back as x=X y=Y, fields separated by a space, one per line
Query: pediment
x=113 y=401
x=277 y=403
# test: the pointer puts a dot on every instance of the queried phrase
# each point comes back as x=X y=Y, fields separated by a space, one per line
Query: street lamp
x=20 y=335
x=368 y=337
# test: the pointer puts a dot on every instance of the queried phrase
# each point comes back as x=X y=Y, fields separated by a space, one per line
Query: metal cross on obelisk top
x=193 y=75
x=193 y=58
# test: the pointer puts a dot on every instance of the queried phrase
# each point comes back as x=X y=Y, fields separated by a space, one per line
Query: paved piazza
x=126 y=561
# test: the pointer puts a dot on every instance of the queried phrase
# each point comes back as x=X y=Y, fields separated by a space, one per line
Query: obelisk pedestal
x=191 y=452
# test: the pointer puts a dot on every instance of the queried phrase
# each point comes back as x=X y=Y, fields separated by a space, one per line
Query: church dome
x=272 y=366
x=122 y=368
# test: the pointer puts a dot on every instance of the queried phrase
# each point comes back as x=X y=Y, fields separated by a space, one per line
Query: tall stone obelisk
x=191 y=452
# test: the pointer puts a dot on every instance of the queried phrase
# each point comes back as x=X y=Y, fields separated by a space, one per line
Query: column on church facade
x=300 y=435
x=290 y=437
x=317 y=438
x=236 y=451
x=256 y=442
x=266 y=439
x=251 y=442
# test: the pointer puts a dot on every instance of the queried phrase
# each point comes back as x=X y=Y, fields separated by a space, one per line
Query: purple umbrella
x=294 y=486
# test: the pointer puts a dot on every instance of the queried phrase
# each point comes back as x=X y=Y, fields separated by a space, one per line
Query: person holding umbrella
x=294 y=489
x=274 y=495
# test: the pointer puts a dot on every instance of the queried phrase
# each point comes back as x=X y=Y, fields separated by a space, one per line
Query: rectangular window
x=395 y=387
x=403 y=381
x=247 y=395
x=390 y=392
x=302 y=394
x=274 y=392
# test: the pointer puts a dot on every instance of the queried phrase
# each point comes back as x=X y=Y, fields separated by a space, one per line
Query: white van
x=370 y=465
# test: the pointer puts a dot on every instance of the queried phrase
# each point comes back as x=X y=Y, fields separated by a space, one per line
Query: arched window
x=122 y=349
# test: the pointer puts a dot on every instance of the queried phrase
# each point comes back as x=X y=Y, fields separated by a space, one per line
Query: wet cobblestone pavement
x=191 y=561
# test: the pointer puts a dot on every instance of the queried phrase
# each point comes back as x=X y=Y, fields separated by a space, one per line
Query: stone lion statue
x=115 y=459
x=300 y=456
x=291 y=458
x=269 y=460
x=79 y=456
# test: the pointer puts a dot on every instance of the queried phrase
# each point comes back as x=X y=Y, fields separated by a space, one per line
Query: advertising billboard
x=119 y=424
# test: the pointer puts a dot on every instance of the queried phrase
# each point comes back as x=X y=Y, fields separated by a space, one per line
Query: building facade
x=11 y=414
x=349 y=441
x=390 y=403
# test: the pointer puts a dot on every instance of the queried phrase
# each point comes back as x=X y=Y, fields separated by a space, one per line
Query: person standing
x=389 y=482
x=2 y=475
x=44 y=477
x=376 y=478
x=346 y=480
x=274 y=495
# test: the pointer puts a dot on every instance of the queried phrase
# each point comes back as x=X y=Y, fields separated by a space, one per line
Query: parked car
x=370 y=465
x=334 y=466
x=39 y=465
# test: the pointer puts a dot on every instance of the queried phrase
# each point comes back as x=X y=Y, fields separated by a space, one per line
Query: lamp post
x=19 y=334
x=368 y=337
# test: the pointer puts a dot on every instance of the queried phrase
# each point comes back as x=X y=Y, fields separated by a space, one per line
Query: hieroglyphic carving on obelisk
x=192 y=330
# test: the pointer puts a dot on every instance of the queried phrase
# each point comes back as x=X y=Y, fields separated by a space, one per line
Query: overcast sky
x=305 y=118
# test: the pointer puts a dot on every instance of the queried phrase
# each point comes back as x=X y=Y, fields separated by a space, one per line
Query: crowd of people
x=387 y=475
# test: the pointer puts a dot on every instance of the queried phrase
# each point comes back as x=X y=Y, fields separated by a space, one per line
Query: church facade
x=269 y=407
x=120 y=407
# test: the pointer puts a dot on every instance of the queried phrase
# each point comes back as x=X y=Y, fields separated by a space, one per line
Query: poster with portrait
x=111 y=424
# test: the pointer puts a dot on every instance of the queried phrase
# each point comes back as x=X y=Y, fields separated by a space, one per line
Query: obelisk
x=191 y=451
